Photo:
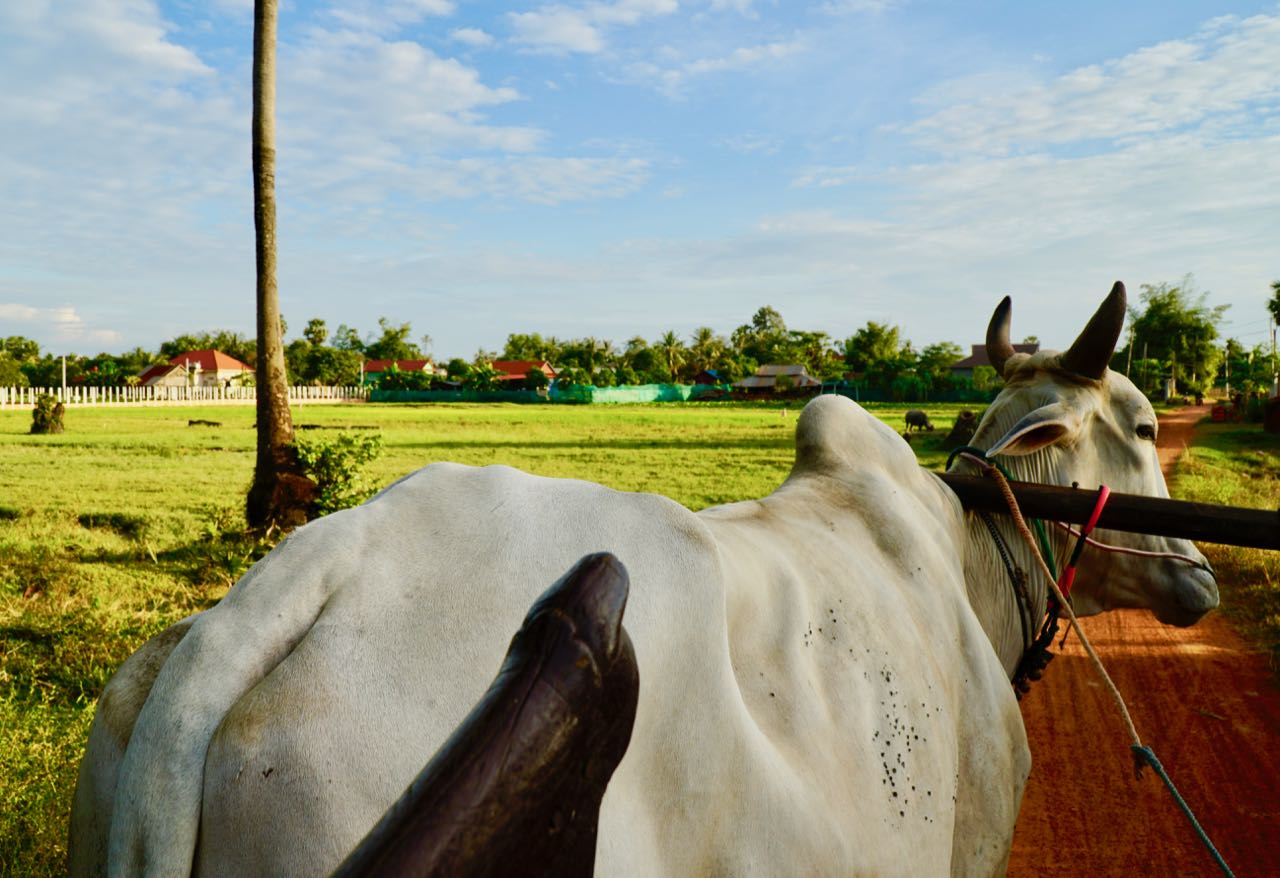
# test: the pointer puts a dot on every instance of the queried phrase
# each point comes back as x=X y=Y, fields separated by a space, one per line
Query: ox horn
x=998 y=348
x=1091 y=352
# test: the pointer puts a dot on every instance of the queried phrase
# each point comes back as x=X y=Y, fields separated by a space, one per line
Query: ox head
x=1066 y=418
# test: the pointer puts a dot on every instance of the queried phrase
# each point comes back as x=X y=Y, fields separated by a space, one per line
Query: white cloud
x=581 y=29
x=61 y=324
x=1226 y=68
x=671 y=79
x=471 y=36
x=387 y=16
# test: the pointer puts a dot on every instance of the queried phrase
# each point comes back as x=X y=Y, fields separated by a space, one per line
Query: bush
x=335 y=464
x=46 y=417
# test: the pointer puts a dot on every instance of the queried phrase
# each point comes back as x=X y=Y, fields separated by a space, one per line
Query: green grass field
x=109 y=533
x=1235 y=466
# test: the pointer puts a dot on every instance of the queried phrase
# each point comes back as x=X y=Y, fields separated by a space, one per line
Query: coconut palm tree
x=280 y=495
x=672 y=351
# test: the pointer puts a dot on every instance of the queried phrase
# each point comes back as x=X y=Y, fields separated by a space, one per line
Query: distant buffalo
x=919 y=420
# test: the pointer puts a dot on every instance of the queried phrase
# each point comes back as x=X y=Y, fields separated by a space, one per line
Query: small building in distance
x=710 y=376
x=778 y=377
x=373 y=369
x=512 y=371
x=207 y=368
x=163 y=375
x=978 y=357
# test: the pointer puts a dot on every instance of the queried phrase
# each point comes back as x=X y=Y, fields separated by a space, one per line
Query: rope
x=1141 y=752
x=1146 y=754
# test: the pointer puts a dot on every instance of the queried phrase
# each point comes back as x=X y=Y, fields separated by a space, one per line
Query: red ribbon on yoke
x=1069 y=572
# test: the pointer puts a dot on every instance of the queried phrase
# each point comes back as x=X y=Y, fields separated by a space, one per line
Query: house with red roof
x=373 y=369
x=207 y=368
x=518 y=370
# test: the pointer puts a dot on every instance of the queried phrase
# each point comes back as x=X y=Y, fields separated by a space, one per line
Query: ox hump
x=834 y=434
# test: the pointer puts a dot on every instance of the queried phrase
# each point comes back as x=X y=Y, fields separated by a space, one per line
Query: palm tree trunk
x=279 y=495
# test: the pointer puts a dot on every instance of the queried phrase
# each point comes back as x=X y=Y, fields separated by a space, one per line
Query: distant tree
x=458 y=369
x=482 y=375
x=232 y=343
x=985 y=378
x=672 y=351
x=1031 y=339
x=332 y=366
x=347 y=339
x=705 y=350
x=393 y=343
x=532 y=346
x=1176 y=327
x=316 y=331
x=20 y=348
x=874 y=343
x=935 y=361
x=1273 y=304
x=11 y=374
x=295 y=360
x=536 y=379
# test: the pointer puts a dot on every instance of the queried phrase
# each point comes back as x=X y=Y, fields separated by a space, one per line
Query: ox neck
x=993 y=596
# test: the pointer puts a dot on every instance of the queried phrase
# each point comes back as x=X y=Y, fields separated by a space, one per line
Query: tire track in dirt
x=1200 y=699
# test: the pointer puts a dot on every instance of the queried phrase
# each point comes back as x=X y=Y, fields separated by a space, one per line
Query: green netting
x=576 y=393
x=455 y=396
x=633 y=393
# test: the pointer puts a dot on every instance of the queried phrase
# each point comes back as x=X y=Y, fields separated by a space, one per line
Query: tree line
x=1173 y=333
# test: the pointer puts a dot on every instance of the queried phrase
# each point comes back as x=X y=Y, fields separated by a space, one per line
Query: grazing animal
x=825 y=672
x=918 y=419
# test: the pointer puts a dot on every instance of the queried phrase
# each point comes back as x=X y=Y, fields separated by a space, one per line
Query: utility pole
x=64 y=366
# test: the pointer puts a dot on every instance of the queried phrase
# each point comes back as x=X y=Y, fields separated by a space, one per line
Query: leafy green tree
x=1176 y=327
x=21 y=348
x=672 y=352
x=934 y=364
x=874 y=343
x=532 y=346
x=536 y=379
x=11 y=374
x=316 y=332
x=1273 y=304
x=482 y=375
x=346 y=338
x=458 y=369
x=332 y=367
x=393 y=343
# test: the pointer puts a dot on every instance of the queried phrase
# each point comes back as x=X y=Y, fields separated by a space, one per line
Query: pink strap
x=1069 y=573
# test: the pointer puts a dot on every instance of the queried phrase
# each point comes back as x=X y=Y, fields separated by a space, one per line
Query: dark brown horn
x=998 y=348
x=1091 y=352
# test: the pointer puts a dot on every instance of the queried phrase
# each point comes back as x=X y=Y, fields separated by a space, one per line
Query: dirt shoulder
x=1200 y=698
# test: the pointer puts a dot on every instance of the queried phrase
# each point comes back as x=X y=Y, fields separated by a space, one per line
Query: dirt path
x=1200 y=699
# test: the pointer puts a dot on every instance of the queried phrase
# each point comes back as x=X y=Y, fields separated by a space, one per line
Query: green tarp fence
x=577 y=393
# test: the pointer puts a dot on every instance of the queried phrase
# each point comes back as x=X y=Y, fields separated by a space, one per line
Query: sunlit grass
x=1239 y=466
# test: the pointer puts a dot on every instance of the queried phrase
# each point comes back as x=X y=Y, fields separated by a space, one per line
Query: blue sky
x=631 y=166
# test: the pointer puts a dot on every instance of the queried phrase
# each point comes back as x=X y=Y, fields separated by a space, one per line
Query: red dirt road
x=1200 y=699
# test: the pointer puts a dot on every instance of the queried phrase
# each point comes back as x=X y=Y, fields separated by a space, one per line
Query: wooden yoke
x=1134 y=513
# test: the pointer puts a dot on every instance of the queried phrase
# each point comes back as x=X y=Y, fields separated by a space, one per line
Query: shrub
x=46 y=417
x=335 y=464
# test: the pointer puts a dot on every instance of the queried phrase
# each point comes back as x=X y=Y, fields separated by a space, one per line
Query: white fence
x=25 y=397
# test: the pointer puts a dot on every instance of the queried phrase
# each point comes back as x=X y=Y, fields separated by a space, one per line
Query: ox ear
x=1039 y=429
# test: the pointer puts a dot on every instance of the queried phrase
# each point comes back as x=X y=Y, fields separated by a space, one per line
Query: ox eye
x=1147 y=431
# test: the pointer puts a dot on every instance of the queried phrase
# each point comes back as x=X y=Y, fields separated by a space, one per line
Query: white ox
x=824 y=672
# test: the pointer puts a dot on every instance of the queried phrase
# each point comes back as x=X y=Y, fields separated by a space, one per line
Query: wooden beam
x=1135 y=513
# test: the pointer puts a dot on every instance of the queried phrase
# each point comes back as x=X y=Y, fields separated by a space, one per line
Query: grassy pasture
x=1236 y=466
x=107 y=535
